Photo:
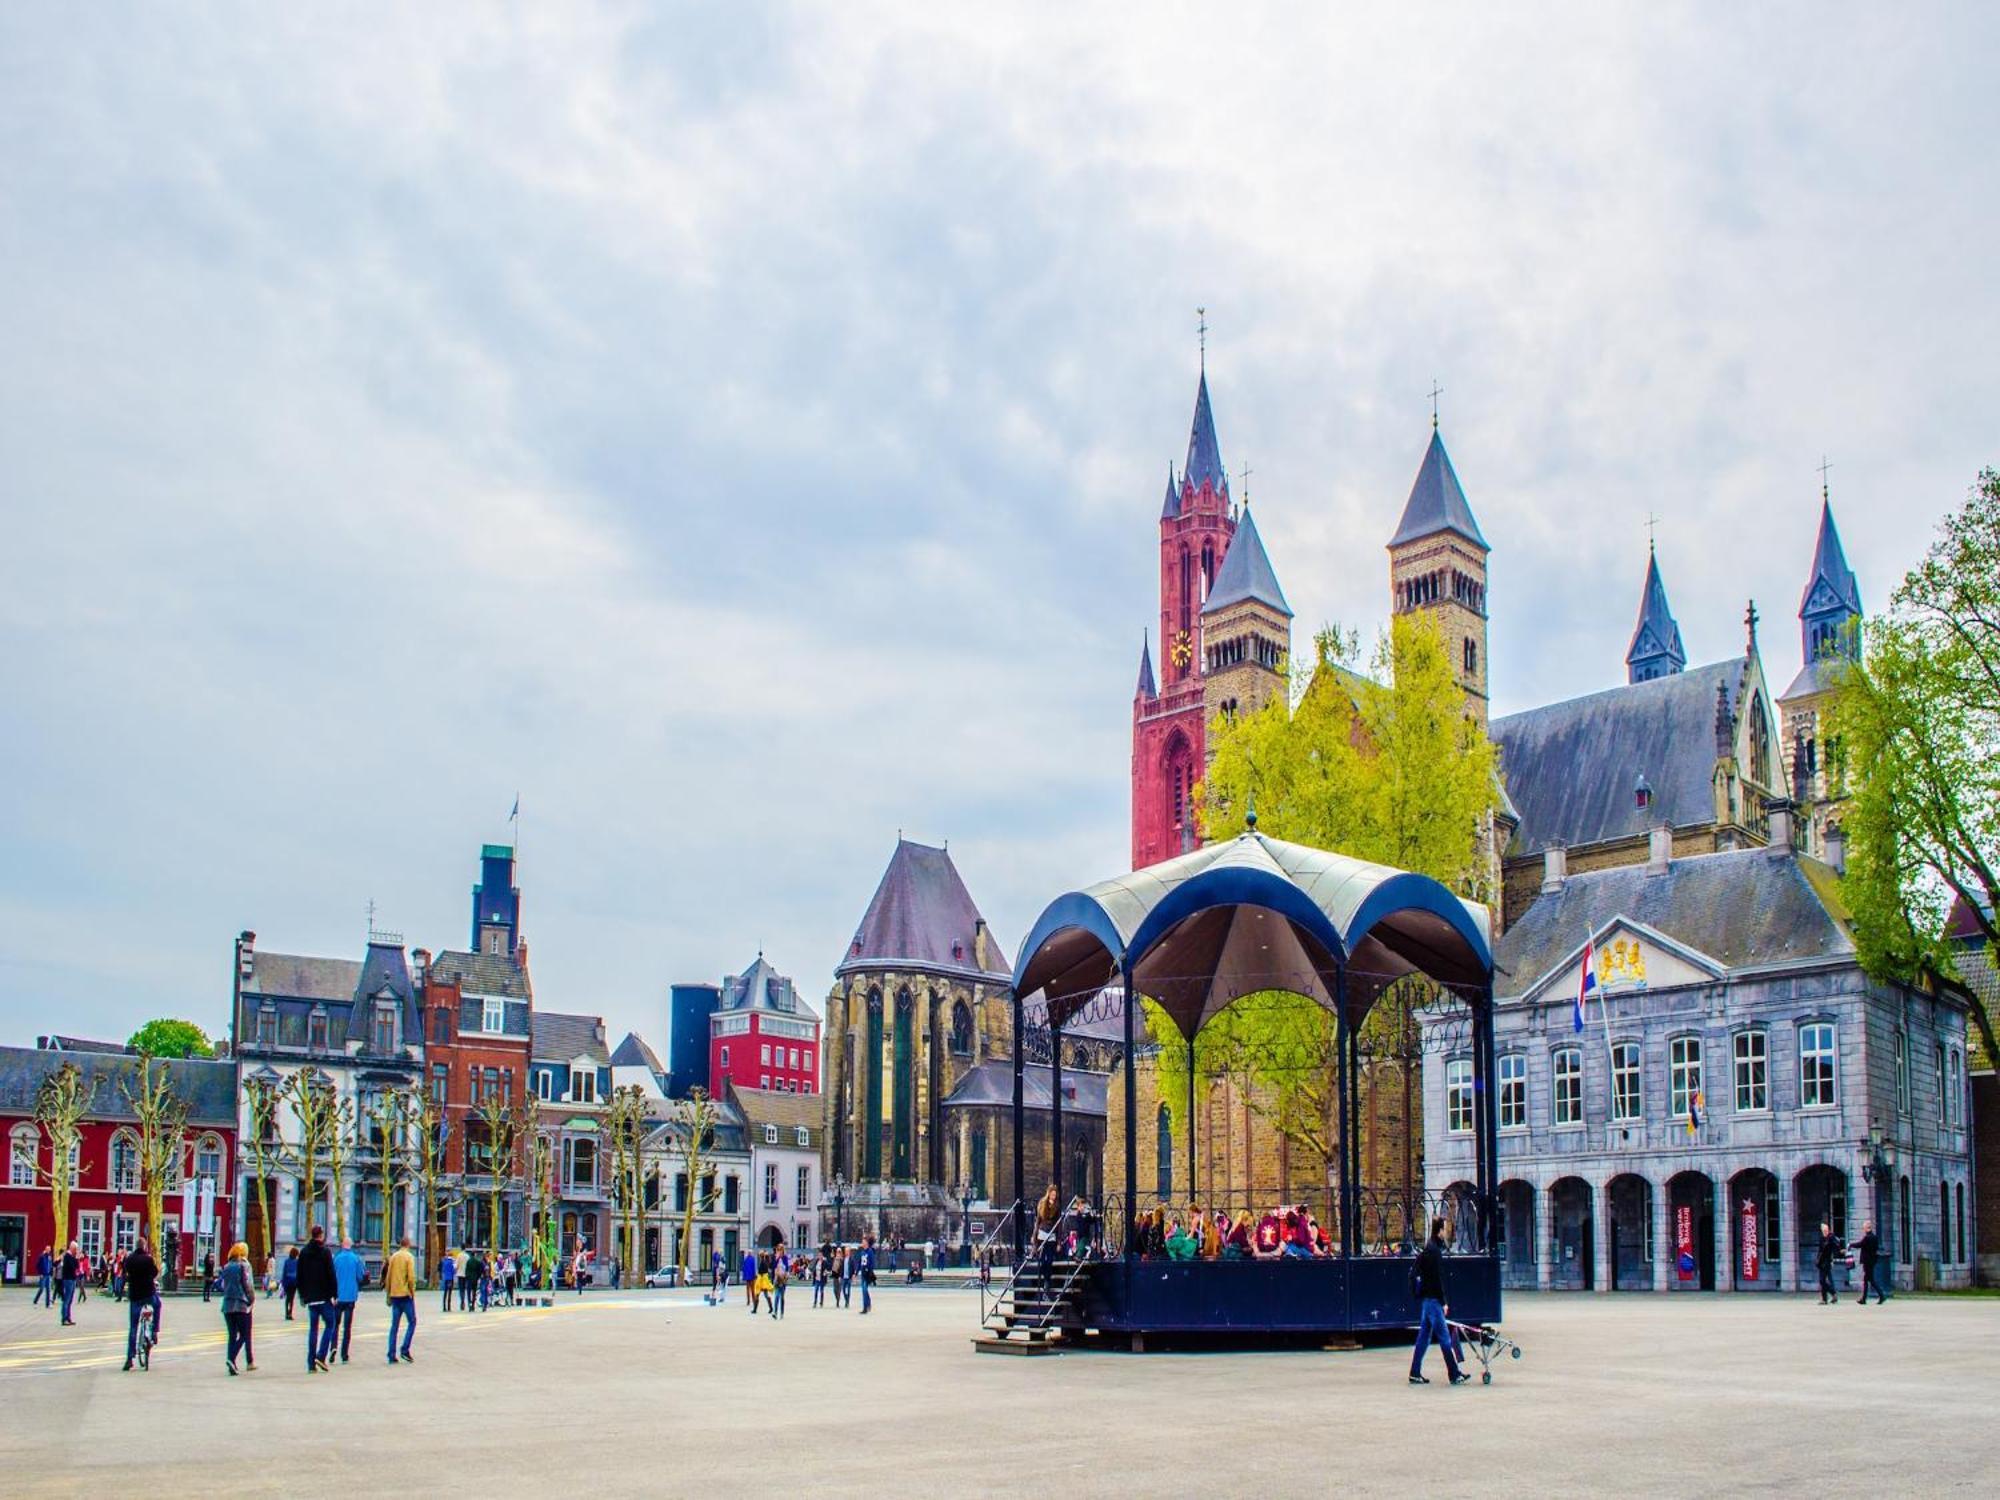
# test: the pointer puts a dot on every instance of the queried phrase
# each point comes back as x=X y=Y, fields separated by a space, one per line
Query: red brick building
x=107 y=1205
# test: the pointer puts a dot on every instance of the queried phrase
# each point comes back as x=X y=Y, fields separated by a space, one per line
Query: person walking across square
x=399 y=1285
x=45 y=1278
x=1829 y=1247
x=288 y=1280
x=1428 y=1276
x=314 y=1285
x=1868 y=1250
x=347 y=1274
x=239 y=1293
x=867 y=1272
x=447 y=1278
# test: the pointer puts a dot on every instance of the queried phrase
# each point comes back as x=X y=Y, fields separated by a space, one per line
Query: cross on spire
x=1243 y=479
x=1823 y=467
x=1652 y=532
x=1750 y=624
x=1201 y=332
x=1436 y=391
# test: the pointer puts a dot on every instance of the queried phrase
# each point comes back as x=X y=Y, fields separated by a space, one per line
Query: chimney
x=420 y=967
x=1659 y=848
x=979 y=944
x=1779 y=812
x=1836 y=848
x=521 y=954
x=1555 y=867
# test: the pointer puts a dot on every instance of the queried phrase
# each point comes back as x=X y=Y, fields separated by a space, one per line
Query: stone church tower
x=1437 y=561
x=1246 y=630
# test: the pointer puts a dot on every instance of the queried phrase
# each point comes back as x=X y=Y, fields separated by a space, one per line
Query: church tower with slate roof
x=1437 y=562
x=1246 y=630
x=1198 y=522
x=1656 y=649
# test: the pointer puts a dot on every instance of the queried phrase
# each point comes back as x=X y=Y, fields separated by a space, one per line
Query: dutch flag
x=1584 y=986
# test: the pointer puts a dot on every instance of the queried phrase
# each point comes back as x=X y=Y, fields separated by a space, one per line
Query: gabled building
x=785 y=1132
x=353 y=1026
x=634 y=1064
x=569 y=1074
x=718 y=1193
x=762 y=1035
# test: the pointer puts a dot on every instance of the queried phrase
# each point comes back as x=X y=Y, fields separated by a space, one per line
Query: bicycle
x=146 y=1337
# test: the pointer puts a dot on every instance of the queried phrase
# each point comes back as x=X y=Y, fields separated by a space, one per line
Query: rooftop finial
x=1823 y=467
x=1750 y=629
x=1201 y=332
x=1435 y=392
x=1250 y=815
x=1652 y=534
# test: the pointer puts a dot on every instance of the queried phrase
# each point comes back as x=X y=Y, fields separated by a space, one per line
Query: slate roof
x=1570 y=767
x=992 y=1083
x=83 y=1044
x=1745 y=908
x=1437 y=501
x=559 y=1038
x=1147 y=687
x=761 y=987
x=1820 y=675
x=1830 y=567
x=209 y=1087
x=919 y=914
x=299 y=977
x=1171 y=507
x=1657 y=633
x=763 y=1107
x=634 y=1053
x=1246 y=573
x=483 y=974
x=1204 y=454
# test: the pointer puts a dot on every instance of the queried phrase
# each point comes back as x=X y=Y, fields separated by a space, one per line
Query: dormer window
x=804 y=1136
x=770 y=1135
x=267 y=1026
x=385 y=1029
x=582 y=1086
x=493 y=1015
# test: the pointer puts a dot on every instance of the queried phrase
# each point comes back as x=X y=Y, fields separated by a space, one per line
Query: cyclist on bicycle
x=142 y=1290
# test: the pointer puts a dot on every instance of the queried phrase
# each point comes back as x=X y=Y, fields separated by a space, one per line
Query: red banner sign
x=1684 y=1241
x=1752 y=1241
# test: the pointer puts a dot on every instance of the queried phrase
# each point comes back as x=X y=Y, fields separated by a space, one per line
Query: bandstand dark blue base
x=1244 y=1299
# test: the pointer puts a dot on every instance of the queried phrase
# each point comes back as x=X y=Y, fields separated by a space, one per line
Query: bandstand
x=1195 y=934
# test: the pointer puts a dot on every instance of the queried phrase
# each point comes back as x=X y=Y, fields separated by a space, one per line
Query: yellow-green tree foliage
x=1911 y=737
x=1388 y=767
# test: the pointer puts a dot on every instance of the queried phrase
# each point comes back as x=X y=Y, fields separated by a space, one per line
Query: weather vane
x=1201 y=332
x=1435 y=392
x=1652 y=532
x=1823 y=467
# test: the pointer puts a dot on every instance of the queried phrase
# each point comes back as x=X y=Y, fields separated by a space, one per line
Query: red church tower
x=1168 y=739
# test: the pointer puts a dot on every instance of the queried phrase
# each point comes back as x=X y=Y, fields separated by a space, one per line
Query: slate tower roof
x=1437 y=501
x=923 y=917
x=1246 y=573
x=1147 y=687
x=1656 y=649
x=1829 y=612
x=1204 y=454
x=1172 y=505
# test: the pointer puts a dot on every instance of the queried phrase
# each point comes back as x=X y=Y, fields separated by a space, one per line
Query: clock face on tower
x=1183 y=649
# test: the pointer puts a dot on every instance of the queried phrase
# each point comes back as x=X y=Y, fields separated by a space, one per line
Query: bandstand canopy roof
x=1252 y=914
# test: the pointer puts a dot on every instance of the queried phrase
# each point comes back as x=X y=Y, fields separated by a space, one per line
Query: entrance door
x=1589 y=1240
x=1705 y=1250
x=14 y=1247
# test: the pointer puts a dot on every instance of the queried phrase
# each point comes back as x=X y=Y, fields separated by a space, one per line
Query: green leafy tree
x=168 y=1037
x=1389 y=767
x=1910 y=740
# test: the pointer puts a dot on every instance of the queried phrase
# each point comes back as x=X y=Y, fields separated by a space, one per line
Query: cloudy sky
x=741 y=431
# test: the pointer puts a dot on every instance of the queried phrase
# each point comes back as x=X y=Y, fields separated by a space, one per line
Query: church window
x=903 y=1087
x=961 y=1029
x=978 y=1175
x=1471 y=656
x=1207 y=569
x=1458 y=1095
x=1760 y=750
x=1187 y=588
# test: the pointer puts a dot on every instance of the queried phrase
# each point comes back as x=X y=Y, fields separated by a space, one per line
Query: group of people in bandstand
x=1162 y=1232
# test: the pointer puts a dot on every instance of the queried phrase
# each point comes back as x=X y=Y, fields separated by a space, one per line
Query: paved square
x=654 y=1393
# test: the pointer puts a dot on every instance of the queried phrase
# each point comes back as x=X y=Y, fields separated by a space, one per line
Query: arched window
x=961 y=1028
x=1163 y=1169
x=24 y=1148
x=871 y=1103
x=1187 y=590
x=1961 y=1223
x=1903 y=1235
x=124 y=1163
x=1944 y=1223
x=903 y=1090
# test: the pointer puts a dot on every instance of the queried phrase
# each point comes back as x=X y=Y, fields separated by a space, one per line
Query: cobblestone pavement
x=658 y=1394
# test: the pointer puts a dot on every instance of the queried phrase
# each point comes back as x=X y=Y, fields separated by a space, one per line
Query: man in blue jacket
x=348 y=1274
x=45 y=1271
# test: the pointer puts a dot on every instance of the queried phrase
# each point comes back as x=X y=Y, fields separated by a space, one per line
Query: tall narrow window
x=1163 y=1153
x=1458 y=1095
x=1816 y=1065
x=1943 y=1097
x=385 y=1029
x=1513 y=1091
x=904 y=1089
x=316 y=1031
x=1753 y=1086
x=978 y=1174
x=1684 y=1075
x=1961 y=1223
x=871 y=1114
x=1902 y=1072
x=1627 y=1097
x=1567 y=1068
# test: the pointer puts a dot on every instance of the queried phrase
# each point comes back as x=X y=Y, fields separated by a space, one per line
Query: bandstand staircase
x=1033 y=1312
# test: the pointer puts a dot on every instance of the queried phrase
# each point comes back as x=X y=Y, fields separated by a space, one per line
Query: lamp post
x=964 y=1195
x=839 y=1195
x=1875 y=1171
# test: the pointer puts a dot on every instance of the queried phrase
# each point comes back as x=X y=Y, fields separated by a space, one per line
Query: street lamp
x=838 y=1192
x=964 y=1195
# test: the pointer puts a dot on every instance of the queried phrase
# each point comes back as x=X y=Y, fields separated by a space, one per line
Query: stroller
x=1486 y=1344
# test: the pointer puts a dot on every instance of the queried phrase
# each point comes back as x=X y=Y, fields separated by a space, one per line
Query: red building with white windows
x=762 y=1036
x=107 y=1206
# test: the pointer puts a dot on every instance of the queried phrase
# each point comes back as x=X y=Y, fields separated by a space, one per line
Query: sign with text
x=206 y=1219
x=1752 y=1241
x=187 y=1205
x=1684 y=1241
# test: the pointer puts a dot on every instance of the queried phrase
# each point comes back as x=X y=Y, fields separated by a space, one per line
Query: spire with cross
x=1201 y=333
x=1436 y=391
x=1823 y=467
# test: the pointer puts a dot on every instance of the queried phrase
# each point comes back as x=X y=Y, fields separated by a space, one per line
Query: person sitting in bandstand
x=1184 y=1240
x=1236 y=1244
x=1269 y=1240
x=1211 y=1236
x=1298 y=1233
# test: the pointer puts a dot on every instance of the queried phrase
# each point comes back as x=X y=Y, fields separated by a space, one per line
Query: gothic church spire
x=1656 y=649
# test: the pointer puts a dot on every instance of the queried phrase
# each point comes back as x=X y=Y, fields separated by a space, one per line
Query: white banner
x=187 y=1205
x=207 y=1216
